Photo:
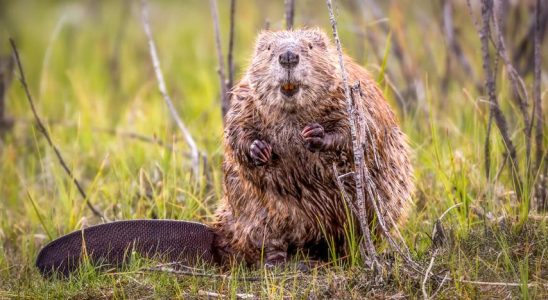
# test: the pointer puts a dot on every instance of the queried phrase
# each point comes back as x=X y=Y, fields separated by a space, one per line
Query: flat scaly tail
x=111 y=245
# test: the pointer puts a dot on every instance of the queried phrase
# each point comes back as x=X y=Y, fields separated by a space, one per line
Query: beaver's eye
x=268 y=47
x=310 y=46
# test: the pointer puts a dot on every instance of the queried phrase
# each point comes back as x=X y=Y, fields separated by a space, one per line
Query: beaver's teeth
x=288 y=86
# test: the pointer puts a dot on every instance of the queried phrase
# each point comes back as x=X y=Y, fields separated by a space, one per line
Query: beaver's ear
x=263 y=41
x=318 y=38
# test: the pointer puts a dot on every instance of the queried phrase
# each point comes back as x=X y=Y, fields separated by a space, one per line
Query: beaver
x=286 y=130
x=286 y=127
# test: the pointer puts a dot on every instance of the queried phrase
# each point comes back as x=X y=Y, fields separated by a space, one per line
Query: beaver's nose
x=289 y=59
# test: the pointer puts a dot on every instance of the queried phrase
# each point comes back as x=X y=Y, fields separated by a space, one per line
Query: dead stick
x=347 y=198
x=498 y=116
x=44 y=132
x=289 y=14
x=427 y=275
x=221 y=69
x=195 y=154
x=541 y=190
x=230 y=55
x=358 y=153
x=519 y=89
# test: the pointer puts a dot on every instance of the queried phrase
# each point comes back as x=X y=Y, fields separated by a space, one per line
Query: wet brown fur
x=292 y=201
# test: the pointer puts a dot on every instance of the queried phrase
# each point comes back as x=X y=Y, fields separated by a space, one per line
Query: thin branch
x=397 y=47
x=347 y=198
x=357 y=151
x=504 y=284
x=541 y=191
x=498 y=116
x=452 y=42
x=225 y=105
x=445 y=279
x=195 y=154
x=6 y=70
x=289 y=14
x=214 y=295
x=519 y=89
x=427 y=275
x=136 y=136
x=189 y=272
x=487 y=146
x=230 y=55
x=45 y=133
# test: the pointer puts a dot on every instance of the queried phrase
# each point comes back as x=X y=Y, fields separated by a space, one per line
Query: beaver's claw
x=313 y=136
x=261 y=152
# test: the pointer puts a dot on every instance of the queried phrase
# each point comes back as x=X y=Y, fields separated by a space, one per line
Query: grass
x=88 y=67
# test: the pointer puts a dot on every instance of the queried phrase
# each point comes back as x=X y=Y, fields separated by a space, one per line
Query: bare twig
x=221 y=296
x=114 y=59
x=498 y=116
x=230 y=55
x=541 y=190
x=487 y=146
x=289 y=14
x=504 y=284
x=136 y=136
x=44 y=131
x=225 y=105
x=518 y=85
x=523 y=54
x=452 y=42
x=345 y=195
x=195 y=154
x=362 y=176
x=6 y=69
x=443 y=281
x=427 y=275
x=358 y=153
x=189 y=272
x=397 y=47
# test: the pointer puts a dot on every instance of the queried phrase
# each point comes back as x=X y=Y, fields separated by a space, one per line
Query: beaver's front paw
x=260 y=152
x=313 y=136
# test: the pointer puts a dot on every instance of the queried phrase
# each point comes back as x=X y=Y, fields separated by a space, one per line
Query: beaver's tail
x=112 y=244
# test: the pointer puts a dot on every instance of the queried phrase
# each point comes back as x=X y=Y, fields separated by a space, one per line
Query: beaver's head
x=292 y=69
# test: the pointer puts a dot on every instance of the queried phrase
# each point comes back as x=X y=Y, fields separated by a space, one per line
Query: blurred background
x=89 y=69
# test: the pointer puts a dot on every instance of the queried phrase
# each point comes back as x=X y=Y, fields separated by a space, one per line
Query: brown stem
x=289 y=14
x=358 y=153
x=498 y=116
x=221 y=68
x=541 y=191
x=45 y=133
x=230 y=55
x=195 y=154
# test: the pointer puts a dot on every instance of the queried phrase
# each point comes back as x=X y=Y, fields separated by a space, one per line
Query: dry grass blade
x=195 y=154
x=44 y=131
